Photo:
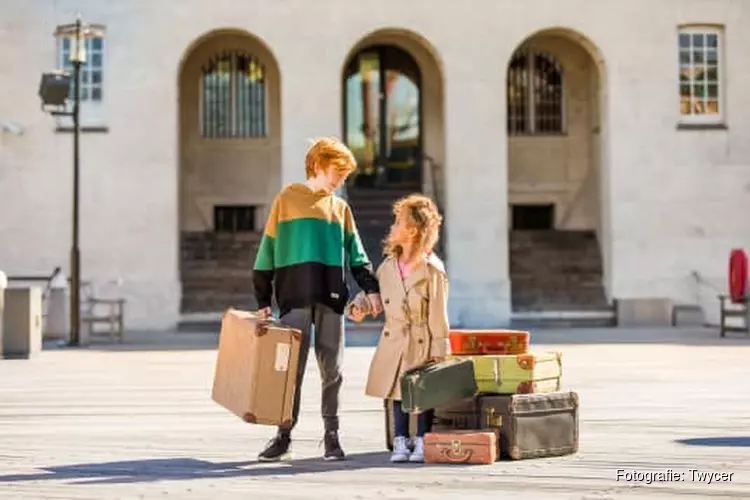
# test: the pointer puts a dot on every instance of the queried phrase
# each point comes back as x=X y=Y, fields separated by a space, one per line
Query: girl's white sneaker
x=418 y=454
x=400 y=451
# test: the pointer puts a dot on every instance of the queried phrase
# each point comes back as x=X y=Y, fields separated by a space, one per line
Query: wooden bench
x=730 y=309
x=96 y=310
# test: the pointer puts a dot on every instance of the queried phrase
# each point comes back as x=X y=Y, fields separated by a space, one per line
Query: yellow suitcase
x=518 y=373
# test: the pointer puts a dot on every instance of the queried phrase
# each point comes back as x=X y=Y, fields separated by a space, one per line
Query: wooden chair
x=99 y=310
x=730 y=309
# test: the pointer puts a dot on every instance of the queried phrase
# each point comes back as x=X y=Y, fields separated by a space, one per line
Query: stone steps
x=216 y=271
x=556 y=271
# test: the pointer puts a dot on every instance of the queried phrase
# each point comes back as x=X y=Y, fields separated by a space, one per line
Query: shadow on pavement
x=177 y=469
x=718 y=442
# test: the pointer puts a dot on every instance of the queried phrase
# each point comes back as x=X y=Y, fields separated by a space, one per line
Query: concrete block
x=689 y=316
x=644 y=312
x=22 y=323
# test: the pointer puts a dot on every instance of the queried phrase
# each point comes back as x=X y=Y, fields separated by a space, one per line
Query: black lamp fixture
x=55 y=92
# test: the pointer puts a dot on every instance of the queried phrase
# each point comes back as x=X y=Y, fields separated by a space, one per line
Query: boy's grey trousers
x=329 y=351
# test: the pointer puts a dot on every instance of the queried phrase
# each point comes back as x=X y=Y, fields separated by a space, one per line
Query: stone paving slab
x=136 y=421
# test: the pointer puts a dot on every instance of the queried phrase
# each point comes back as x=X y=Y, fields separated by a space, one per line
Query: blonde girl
x=414 y=292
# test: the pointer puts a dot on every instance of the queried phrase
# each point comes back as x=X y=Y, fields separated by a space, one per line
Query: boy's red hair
x=327 y=153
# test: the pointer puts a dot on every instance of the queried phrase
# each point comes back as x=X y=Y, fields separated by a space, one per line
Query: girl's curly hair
x=422 y=214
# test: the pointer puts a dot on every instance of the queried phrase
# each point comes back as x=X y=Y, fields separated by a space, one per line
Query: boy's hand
x=376 y=305
x=265 y=312
x=356 y=314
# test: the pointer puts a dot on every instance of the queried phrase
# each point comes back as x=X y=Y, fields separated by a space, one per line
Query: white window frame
x=92 y=113
x=703 y=119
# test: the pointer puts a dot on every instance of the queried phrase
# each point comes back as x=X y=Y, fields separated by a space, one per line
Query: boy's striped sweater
x=309 y=239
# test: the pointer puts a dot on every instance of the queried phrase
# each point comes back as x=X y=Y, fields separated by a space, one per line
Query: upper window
x=233 y=96
x=700 y=74
x=92 y=71
x=535 y=94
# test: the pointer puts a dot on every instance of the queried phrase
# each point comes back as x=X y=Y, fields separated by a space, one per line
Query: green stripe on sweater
x=315 y=240
x=264 y=260
x=356 y=250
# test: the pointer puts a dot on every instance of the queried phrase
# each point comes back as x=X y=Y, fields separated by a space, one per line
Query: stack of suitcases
x=513 y=408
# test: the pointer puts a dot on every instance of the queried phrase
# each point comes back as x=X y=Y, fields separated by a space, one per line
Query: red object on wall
x=737 y=275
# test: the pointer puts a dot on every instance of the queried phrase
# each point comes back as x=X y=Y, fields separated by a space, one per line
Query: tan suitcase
x=462 y=447
x=256 y=368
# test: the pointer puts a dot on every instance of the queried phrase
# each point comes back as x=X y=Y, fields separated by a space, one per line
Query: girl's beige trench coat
x=416 y=324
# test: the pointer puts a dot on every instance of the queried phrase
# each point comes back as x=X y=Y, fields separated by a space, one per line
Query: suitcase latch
x=493 y=420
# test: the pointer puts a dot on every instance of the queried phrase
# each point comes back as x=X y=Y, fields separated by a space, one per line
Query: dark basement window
x=234 y=218
x=533 y=217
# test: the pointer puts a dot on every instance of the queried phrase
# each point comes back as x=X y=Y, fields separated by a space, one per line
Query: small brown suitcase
x=461 y=447
x=256 y=368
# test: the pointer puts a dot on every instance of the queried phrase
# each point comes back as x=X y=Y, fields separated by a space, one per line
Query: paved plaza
x=136 y=422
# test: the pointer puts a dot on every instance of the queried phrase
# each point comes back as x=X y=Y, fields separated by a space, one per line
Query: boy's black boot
x=332 y=446
x=277 y=449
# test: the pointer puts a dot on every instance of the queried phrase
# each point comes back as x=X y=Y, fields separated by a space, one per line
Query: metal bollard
x=56 y=324
x=3 y=286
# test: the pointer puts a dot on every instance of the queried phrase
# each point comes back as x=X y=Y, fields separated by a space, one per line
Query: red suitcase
x=473 y=342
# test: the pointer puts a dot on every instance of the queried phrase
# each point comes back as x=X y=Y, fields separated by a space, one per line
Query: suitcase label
x=283 y=353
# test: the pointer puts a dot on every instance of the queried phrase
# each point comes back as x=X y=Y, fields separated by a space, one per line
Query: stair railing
x=577 y=194
x=435 y=169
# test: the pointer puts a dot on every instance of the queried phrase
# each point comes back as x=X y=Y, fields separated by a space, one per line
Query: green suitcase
x=437 y=384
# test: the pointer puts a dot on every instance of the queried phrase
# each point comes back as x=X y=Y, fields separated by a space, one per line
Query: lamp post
x=51 y=91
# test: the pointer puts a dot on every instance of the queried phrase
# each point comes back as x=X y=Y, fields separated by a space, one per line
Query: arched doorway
x=392 y=117
x=558 y=226
x=230 y=152
x=383 y=117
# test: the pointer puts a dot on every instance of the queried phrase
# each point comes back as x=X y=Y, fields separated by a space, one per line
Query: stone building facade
x=616 y=127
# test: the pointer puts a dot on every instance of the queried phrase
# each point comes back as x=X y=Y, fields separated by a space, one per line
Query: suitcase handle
x=496 y=371
x=454 y=452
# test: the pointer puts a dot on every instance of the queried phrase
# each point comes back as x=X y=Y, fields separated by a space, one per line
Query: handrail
x=576 y=196
x=39 y=278
x=433 y=177
x=193 y=199
x=700 y=280
x=437 y=197
x=36 y=277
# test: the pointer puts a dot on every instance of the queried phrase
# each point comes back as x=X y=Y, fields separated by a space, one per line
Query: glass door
x=382 y=117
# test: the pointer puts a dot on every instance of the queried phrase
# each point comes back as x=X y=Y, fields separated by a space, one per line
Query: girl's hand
x=376 y=305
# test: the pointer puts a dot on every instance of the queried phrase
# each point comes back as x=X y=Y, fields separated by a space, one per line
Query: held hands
x=364 y=305
x=376 y=305
x=356 y=314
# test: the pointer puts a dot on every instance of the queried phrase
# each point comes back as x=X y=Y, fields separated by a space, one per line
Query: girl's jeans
x=401 y=421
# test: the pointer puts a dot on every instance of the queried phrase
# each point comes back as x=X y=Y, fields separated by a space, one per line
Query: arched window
x=535 y=94
x=233 y=96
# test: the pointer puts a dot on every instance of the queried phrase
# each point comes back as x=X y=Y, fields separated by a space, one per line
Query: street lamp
x=54 y=90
